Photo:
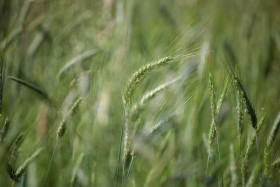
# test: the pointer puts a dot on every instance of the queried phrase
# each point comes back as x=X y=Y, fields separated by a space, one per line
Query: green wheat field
x=139 y=93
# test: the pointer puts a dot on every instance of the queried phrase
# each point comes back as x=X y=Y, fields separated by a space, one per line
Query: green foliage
x=117 y=93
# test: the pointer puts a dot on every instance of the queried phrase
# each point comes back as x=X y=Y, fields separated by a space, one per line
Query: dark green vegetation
x=191 y=88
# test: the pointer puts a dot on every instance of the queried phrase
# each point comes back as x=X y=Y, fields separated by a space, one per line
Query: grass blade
x=31 y=86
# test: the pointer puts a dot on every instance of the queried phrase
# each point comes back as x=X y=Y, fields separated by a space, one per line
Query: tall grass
x=118 y=92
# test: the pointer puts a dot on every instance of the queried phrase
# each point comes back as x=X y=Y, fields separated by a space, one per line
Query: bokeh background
x=55 y=51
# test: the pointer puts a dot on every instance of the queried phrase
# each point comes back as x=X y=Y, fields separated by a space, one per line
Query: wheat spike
x=61 y=129
x=75 y=107
x=249 y=108
x=268 y=146
x=20 y=171
x=137 y=77
x=213 y=128
x=62 y=126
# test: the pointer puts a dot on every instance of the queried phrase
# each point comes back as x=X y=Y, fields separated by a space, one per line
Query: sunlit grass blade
x=76 y=60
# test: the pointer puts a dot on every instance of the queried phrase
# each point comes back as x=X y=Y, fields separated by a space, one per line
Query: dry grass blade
x=75 y=60
x=30 y=86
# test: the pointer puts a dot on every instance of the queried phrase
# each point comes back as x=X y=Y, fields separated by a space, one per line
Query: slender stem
x=45 y=180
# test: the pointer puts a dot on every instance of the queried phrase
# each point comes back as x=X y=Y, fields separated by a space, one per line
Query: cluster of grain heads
x=249 y=108
x=128 y=92
x=267 y=149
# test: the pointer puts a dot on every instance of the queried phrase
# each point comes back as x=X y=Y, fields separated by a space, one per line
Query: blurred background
x=54 y=52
